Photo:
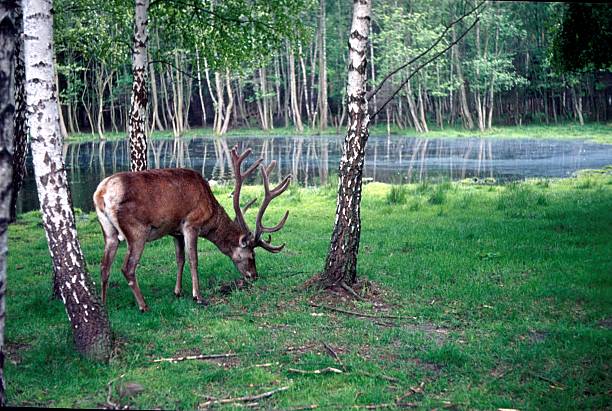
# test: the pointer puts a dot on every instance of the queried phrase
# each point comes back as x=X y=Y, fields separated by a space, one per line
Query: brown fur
x=147 y=205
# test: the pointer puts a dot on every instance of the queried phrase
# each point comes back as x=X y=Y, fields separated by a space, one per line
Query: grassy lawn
x=596 y=132
x=504 y=294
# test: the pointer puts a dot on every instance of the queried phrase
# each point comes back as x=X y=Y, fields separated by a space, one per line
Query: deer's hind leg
x=111 y=243
x=136 y=237
x=179 y=244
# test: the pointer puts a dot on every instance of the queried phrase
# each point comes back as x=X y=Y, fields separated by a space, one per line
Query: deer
x=143 y=206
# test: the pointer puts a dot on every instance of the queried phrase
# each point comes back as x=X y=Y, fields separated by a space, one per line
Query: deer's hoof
x=144 y=309
x=200 y=301
x=178 y=295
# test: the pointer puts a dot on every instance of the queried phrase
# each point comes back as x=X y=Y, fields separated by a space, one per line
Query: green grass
x=597 y=132
x=509 y=287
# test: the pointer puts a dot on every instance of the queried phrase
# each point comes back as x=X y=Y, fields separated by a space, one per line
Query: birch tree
x=341 y=263
x=8 y=31
x=90 y=326
x=138 y=110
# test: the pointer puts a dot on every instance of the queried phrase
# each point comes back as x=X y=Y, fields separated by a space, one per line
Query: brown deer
x=144 y=206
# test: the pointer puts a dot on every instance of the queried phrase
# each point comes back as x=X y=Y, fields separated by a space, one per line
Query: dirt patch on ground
x=14 y=351
x=534 y=336
x=363 y=291
x=438 y=334
x=426 y=365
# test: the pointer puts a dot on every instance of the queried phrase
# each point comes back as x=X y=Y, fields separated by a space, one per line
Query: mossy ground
x=505 y=294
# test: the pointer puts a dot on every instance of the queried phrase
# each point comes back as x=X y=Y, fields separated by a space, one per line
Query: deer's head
x=243 y=253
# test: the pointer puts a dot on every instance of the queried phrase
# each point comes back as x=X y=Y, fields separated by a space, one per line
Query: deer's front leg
x=191 y=242
x=179 y=243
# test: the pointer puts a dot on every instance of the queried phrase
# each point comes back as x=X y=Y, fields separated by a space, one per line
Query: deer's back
x=160 y=198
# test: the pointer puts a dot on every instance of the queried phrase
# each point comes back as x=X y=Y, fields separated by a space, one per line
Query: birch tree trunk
x=466 y=116
x=138 y=114
x=323 y=107
x=295 y=108
x=341 y=262
x=8 y=40
x=87 y=316
x=20 y=123
x=200 y=92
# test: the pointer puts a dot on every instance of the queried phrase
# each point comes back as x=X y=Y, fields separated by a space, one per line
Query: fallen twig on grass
x=350 y=290
x=247 y=399
x=553 y=383
x=333 y=354
x=109 y=403
x=196 y=357
x=381 y=376
x=412 y=391
x=327 y=307
x=321 y=371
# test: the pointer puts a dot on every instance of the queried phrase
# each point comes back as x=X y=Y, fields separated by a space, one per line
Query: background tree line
x=207 y=69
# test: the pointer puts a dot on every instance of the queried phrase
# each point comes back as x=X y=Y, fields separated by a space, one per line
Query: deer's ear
x=243 y=240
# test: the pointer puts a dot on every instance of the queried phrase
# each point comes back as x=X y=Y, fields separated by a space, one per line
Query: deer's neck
x=222 y=231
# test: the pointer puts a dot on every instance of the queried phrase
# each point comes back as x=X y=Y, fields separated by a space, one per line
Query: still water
x=312 y=160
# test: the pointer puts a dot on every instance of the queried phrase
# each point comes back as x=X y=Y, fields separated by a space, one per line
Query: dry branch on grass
x=357 y=314
x=245 y=399
x=196 y=357
x=321 y=371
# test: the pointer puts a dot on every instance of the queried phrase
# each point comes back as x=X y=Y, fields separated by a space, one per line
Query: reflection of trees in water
x=312 y=159
x=309 y=160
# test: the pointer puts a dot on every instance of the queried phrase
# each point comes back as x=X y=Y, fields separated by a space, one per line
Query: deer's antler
x=260 y=229
x=269 y=196
x=240 y=176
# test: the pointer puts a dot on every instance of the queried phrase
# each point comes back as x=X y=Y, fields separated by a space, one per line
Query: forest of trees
x=214 y=66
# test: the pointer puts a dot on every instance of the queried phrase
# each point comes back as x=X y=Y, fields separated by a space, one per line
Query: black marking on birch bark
x=20 y=125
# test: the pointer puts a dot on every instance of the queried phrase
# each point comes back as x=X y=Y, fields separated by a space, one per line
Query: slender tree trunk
x=9 y=21
x=200 y=92
x=138 y=114
x=277 y=84
x=341 y=262
x=156 y=120
x=87 y=316
x=305 y=81
x=465 y=110
x=230 y=103
x=295 y=108
x=20 y=124
x=577 y=104
x=264 y=98
x=422 y=110
x=323 y=107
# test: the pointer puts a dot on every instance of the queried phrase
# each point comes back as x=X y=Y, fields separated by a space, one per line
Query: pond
x=313 y=160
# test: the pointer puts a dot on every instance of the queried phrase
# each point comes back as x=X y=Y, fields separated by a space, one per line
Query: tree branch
x=423 y=65
x=371 y=93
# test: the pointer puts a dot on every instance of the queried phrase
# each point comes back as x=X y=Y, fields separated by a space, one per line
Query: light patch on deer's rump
x=107 y=213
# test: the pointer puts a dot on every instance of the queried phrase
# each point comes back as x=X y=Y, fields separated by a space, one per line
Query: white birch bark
x=88 y=318
x=341 y=262
x=295 y=108
x=138 y=113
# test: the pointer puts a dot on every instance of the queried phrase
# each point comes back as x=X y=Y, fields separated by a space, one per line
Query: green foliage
x=581 y=42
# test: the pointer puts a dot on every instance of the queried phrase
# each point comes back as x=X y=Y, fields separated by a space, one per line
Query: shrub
x=397 y=194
